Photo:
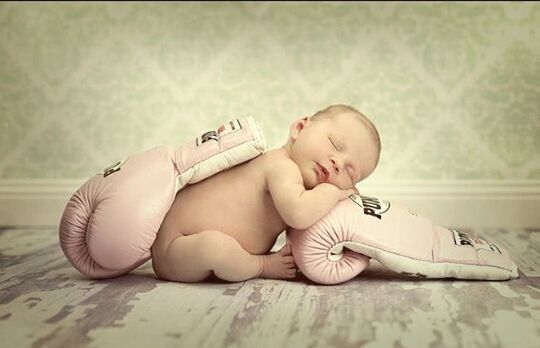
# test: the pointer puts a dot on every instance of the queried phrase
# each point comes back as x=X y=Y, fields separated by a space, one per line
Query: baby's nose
x=335 y=165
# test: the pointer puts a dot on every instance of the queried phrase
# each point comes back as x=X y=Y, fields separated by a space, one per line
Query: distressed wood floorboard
x=44 y=302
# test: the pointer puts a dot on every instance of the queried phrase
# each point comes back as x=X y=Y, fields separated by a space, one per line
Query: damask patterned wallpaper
x=454 y=88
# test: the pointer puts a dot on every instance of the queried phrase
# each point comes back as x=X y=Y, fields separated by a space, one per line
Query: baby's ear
x=298 y=126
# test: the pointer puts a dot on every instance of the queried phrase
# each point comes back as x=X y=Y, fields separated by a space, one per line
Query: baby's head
x=337 y=145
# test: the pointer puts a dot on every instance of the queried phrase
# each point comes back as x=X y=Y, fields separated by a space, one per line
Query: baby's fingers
x=347 y=193
x=353 y=192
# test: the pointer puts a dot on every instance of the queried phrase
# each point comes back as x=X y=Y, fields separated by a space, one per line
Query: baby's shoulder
x=276 y=164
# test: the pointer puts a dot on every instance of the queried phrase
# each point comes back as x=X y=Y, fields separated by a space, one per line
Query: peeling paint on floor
x=45 y=302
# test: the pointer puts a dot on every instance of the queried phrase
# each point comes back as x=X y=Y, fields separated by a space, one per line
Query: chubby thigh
x=179 y=259
x=234 y=202
x=192 y=258
x=232 y=209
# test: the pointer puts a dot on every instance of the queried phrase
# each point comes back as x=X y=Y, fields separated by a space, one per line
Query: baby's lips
x=324 y=172
x=318 y=172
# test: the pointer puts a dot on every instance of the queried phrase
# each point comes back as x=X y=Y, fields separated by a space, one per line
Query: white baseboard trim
x=466 y=203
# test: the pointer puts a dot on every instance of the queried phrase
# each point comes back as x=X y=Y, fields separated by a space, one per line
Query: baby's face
x=339 y=151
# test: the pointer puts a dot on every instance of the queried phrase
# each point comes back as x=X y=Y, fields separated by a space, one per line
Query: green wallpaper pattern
x=454 y=88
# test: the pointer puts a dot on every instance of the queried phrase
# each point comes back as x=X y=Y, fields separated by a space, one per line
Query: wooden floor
x=44 y=302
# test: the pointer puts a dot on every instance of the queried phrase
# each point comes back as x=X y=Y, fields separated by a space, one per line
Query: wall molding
x=524 y=189
x=473 y=203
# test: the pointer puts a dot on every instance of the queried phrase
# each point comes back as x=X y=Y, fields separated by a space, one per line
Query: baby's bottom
x=192 y=258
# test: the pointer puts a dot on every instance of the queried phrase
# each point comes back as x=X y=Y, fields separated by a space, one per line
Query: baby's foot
x=279 y=265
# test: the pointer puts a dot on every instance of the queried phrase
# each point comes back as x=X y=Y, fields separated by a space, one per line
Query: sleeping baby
x=227 y=223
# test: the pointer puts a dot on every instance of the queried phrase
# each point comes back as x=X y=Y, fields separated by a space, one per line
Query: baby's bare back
x=235 y=202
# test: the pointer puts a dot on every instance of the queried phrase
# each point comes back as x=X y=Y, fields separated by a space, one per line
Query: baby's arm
x=298 y=207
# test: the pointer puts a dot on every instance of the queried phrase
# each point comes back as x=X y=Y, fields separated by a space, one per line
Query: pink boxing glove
x=338 y=247
x=111 y=222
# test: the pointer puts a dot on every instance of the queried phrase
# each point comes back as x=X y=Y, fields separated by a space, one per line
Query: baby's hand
x=346 y=193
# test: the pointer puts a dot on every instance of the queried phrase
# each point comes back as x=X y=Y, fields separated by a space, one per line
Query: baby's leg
x=192 y=258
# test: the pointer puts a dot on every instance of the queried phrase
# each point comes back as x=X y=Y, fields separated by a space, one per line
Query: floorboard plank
x=44 y=302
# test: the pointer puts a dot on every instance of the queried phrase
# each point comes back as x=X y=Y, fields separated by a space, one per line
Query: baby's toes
x=290 y=272
x=291 y=266
x=286 y=250
x=288 y=260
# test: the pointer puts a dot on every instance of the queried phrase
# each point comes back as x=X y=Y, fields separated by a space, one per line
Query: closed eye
x=333 y=143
